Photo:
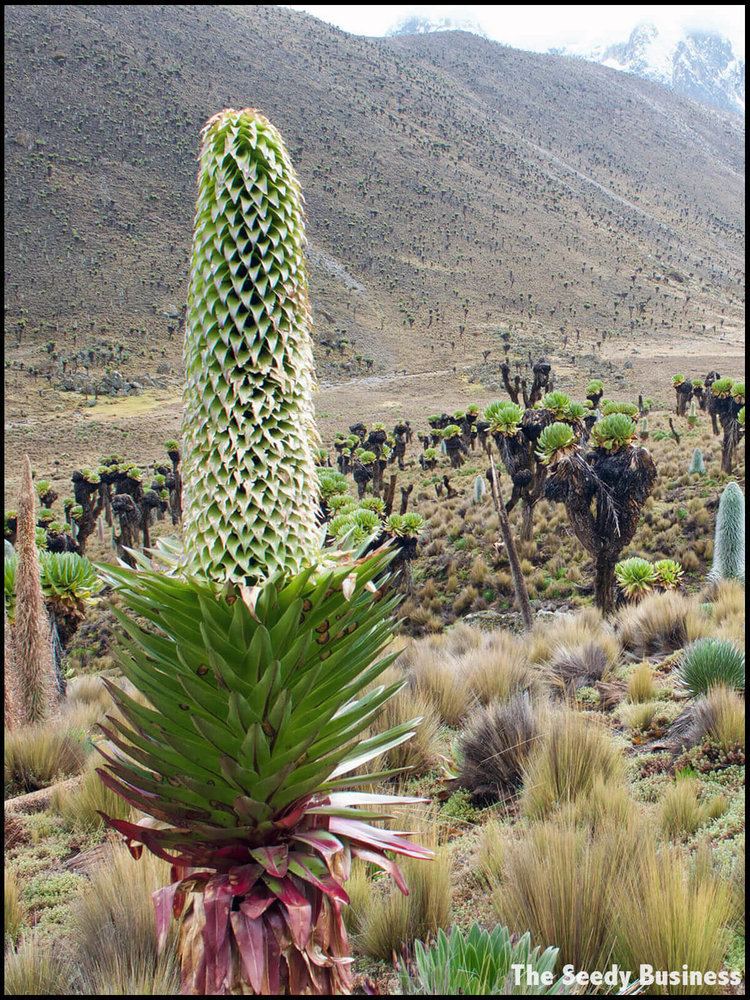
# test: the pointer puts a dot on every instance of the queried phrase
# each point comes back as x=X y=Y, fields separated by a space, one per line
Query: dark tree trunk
x=604 y=583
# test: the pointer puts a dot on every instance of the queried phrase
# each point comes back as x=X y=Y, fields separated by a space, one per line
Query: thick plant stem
x=604 y=584
x=31 y=633
x=519 y=584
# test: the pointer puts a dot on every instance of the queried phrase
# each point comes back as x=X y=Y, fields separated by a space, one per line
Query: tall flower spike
x=248 y=427
x=32 y=642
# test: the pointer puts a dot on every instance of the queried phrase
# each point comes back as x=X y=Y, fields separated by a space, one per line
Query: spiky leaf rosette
x=668 y=573
x=476 y=962
x=610 y=406
x=248 y=417
x=614 y=432
x=636 y=576
x=557 y=403
x=721 y=388
x=258 y=703
x=555 y=441
x=504 y=417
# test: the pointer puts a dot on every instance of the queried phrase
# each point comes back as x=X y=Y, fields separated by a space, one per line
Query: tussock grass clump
x=89 y=690
x=667 y=918
x=556 y=883
x=660 y=624
x=491 y=850
x=392 y=921
x=725 y=713
x=728 y=600
x=682 y=812
x=707 y=663
x=495 y=746
x=606 y=803
x=643 y=716
x=497 y=668
x=570 y=632
x=421 y=753
x=114 y=927
x=359 y=890
x=37 y=756
x=718 y=716
x=15 y=912
x=437 y=679
x=37 y=968
x=569 y=758
x=641 y=687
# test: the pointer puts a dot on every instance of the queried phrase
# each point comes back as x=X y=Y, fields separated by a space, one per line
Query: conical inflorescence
x=729 y=540
x=249 y=434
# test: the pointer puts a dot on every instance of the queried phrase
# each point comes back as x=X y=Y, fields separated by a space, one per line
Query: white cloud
x=542 y=27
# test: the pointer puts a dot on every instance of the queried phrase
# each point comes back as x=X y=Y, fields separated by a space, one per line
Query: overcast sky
x=540 y=28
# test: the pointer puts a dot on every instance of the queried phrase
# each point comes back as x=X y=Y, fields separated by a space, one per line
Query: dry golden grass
x=556 y=882
x=497 y=668
x=681 y=811
x=569 y=759
x=436 y=678
x=491 y=850
x=641 y=685
x=38 y=968
x=661 y=623
x=37 y=756
x=359 y=889
x=15 y=912
x=114 y=929
x=422 y=752
x=606 y=803
x=391 y=921
x=667 y=917
x=726 y=709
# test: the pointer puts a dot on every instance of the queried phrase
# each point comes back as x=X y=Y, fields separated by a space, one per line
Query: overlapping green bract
x=729 y=539
x=476 y=963
x=697 y=465
x=248 y=419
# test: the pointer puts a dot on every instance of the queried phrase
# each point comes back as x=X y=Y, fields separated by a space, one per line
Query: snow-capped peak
x=699 y=64
x=416 y=25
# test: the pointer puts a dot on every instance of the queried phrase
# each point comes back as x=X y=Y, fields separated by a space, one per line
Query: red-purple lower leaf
x=249 y=933
x=374 y=836
x=297 y=911
x=385 y=863
x=325 y=884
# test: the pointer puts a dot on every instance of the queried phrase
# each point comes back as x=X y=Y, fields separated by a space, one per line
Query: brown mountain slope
x=455 y=189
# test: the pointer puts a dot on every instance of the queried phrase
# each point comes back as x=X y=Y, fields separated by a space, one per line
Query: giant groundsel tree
x=257 y=656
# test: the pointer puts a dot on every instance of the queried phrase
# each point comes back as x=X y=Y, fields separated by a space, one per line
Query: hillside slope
x=455 y=189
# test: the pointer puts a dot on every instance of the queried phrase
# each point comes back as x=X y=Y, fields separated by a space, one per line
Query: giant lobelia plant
x=256 y=654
